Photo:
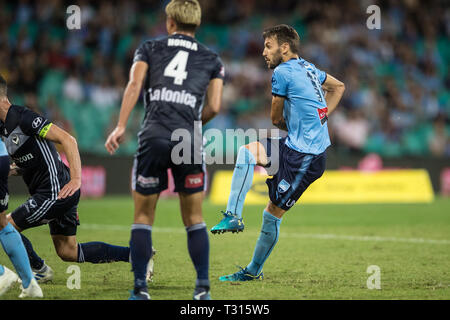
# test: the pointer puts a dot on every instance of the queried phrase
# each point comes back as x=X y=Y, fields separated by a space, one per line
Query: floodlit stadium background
x=394 y=114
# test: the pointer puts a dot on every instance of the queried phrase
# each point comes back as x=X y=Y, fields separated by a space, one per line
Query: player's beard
x=277 y=59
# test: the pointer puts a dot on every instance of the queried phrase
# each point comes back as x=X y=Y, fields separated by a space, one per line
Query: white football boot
x=43 y=275
x=33 y=290
x=7 y=280
x=150 y=267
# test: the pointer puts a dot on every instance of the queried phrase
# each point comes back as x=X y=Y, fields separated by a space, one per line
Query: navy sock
x=198 y=247
x=100 y=252
x=35 y=261
x=141 y=252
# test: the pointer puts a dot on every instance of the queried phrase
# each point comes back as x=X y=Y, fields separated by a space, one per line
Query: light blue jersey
x=3 y=151
x=305 y=108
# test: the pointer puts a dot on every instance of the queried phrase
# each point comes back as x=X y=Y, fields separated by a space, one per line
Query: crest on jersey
x=15 y=139
x=36 y=122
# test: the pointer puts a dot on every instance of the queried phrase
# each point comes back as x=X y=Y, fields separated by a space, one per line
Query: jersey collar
x=181 y=35
x=11 y=120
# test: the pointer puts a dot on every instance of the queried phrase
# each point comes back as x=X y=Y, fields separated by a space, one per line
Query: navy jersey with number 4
x=24 y=134
x=179 y=71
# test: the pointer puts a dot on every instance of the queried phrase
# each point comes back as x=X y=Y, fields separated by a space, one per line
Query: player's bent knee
x=9 y=219
x=246 y=155
x=66 y=247
x=253 y=147
x=274 y=210
x=258 y=151
x=67 y=254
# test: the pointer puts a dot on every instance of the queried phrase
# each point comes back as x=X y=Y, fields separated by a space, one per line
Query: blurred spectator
x=73 y=88
x=352 y=130
x=397 y=100
x=104 y=95
x=439 y=139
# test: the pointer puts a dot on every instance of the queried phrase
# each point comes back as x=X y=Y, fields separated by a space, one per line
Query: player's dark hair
x=283 y=34
x=3 y=86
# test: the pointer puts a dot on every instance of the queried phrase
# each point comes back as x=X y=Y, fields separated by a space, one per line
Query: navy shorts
x=4 y=172
x=61 y=215
x=151 y=162
x=295 y=172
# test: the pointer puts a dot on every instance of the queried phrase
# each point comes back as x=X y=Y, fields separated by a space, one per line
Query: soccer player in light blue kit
x=12 y=242
x=300 y=107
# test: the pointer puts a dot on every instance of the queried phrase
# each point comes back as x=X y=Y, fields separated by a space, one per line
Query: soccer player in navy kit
x=54 y=188
x=300 y=107
x=182 y=81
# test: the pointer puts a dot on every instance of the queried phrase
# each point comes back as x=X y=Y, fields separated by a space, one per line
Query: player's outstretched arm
x=334 y=89
x=70 y=147
x=130 y=97
x=276 y=113
x=213 y=100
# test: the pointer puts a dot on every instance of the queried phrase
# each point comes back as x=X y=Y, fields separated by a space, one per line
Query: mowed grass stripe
x=285 y=234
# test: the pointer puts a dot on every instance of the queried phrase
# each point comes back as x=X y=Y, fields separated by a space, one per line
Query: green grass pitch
x=323 y=253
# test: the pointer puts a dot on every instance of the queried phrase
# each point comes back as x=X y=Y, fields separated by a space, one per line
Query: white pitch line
x=363 y=238
x=283 y=235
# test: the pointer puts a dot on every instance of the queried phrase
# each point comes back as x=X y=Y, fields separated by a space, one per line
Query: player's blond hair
x=186 y=13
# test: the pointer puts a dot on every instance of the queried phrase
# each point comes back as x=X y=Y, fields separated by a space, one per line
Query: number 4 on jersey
x=177 y=67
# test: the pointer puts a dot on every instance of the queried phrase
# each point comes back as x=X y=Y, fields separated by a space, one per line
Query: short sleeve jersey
x=24 y=133
x=179 y=71
x=305 y=109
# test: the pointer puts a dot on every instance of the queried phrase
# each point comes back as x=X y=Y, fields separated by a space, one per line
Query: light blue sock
x=241 y=181
x=13 y=246
x=267 y=239
x=2 y=270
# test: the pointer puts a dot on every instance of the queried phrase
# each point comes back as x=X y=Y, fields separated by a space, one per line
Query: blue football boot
x=242 y=275
x=229 y=223
x=201 y=293
x=140 y=295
